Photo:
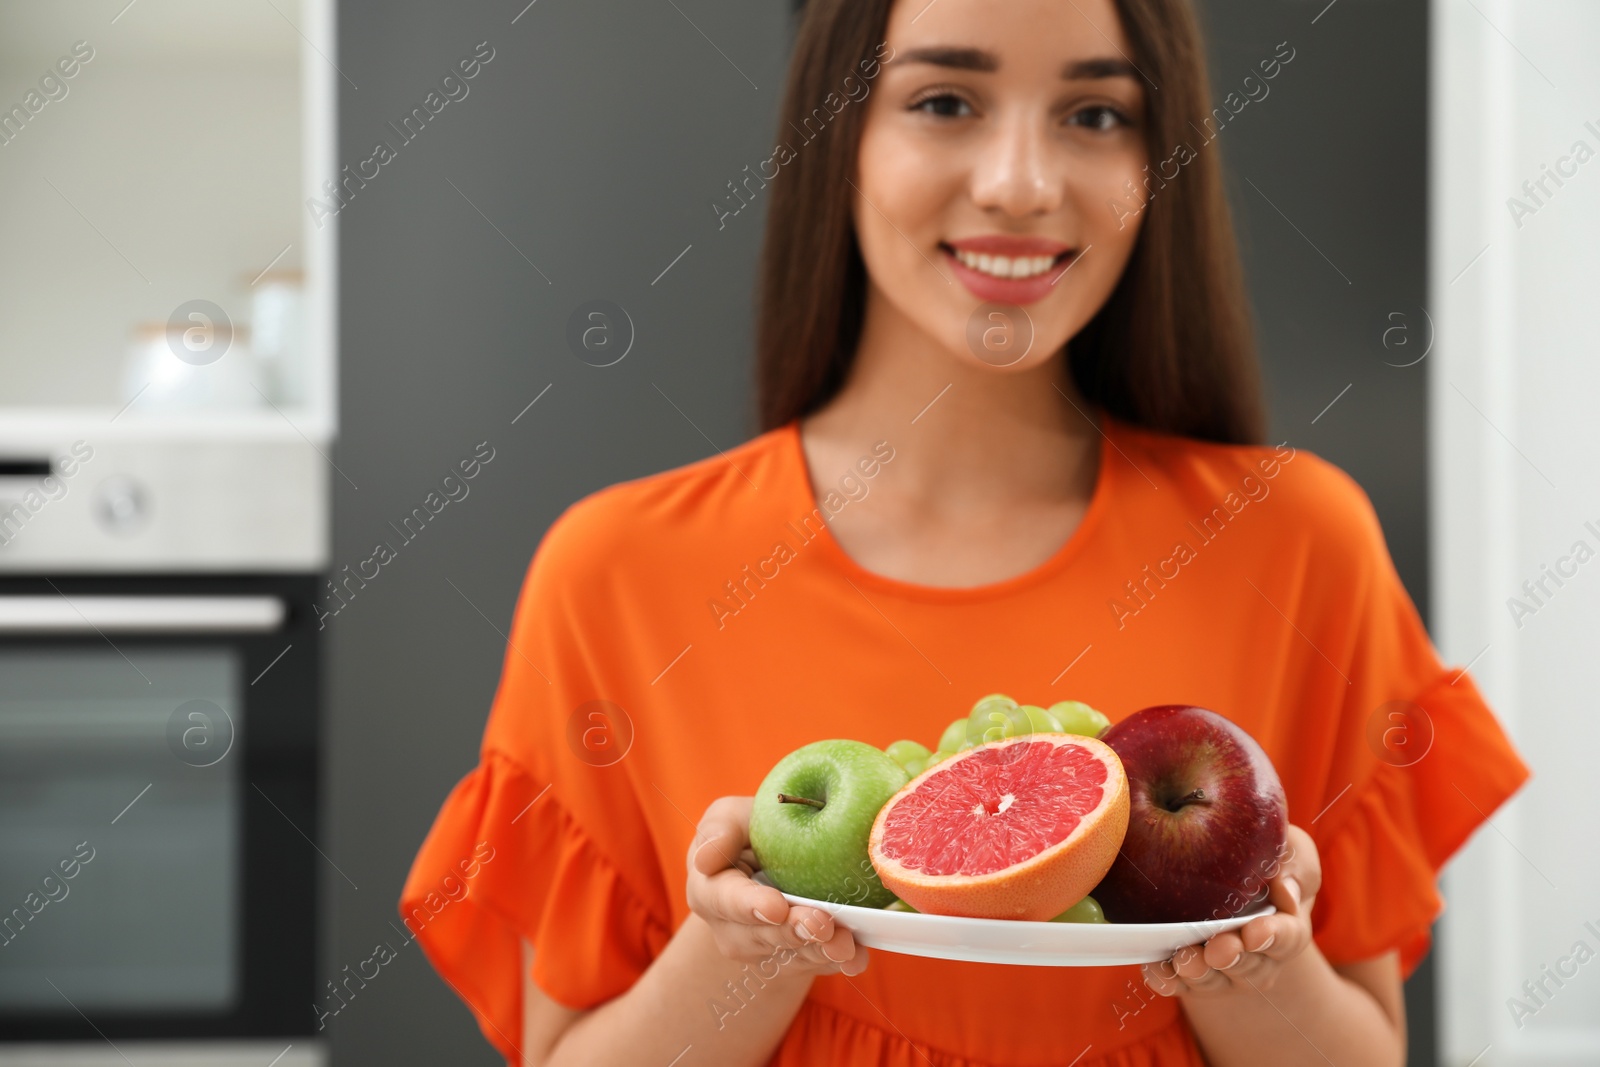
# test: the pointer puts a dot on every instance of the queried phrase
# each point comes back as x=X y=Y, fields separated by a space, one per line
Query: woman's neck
x=962 y=431
x=993 y=469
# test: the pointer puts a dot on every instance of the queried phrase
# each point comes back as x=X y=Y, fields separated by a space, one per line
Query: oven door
x=158 y=808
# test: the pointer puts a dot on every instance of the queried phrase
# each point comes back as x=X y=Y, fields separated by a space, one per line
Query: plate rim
x=976 y=923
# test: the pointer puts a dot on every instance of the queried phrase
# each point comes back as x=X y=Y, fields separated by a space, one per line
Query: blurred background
x=271 y=269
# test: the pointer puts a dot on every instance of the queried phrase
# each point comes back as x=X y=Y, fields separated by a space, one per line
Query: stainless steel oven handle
x=140 y=614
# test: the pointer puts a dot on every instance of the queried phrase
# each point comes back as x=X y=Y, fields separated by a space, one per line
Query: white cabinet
x=167 y=293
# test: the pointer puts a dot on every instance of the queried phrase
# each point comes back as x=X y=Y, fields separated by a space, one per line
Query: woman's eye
x=945 y=105
x=1099 y=117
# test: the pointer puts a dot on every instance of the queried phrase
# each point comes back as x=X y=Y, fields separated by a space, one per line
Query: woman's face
x=993 y=168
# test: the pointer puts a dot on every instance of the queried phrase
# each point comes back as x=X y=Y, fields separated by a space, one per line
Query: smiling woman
x=976 y=188
x=1030 y=133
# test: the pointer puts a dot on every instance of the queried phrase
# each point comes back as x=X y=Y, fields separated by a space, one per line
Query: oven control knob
x=121 y=504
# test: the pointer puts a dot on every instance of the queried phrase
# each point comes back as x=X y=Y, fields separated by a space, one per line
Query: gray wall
x=589 y=146
x=592 y=142
x=1328 y=181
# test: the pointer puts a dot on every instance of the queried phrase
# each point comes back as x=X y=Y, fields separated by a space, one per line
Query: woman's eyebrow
x=1102 y=67
x=958 y=58
x=987 y=62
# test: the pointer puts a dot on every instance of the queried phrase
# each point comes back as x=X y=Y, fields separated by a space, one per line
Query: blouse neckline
x=1063 y=556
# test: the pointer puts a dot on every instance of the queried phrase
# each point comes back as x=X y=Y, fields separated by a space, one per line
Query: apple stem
x=1196 y=797
x=785 y=798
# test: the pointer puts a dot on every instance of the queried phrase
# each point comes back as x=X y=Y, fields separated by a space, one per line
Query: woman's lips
x=1008 y=270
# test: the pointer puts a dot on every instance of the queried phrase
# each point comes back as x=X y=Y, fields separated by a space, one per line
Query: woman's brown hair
x=1172 y=347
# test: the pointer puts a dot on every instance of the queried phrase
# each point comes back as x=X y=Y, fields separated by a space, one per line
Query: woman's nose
x=1013 y=171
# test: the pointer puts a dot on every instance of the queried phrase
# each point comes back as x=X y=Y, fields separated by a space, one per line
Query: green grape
x=999 y=700
x=993 y=722
x=903 y=751
x=935 y=758
x=1041 y=721
x=914 y=767
x=954 y=737
x=898 y=905
x=1086 y=910
x=1076 y=717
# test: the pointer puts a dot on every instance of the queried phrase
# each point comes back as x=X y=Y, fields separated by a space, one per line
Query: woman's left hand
x=1253 y=955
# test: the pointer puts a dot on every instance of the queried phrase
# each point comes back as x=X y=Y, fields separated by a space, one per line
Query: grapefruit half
x=1021 y=828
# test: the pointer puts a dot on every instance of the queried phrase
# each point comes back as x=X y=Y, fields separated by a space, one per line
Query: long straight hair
x=1172 y=347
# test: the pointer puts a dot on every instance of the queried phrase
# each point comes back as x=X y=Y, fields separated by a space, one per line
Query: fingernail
x=830 y=958
x=805 y=932
x=1267 y=943
x=763 y=918
x=1293 y=887
x=1233 y=964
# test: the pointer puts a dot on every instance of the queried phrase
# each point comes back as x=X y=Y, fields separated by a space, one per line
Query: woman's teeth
x=1005 y=266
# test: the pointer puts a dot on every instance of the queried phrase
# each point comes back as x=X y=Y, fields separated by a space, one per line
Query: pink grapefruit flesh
x=1021 y=828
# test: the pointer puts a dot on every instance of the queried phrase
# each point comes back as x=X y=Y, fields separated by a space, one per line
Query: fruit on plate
x=1208 y=820
x=1019 y=828
x=998 y=716
x=954 y=736
x=994 y=718
x=1076 y=717
x=912 y=755
x=903 y=752
x=1041 y=721
x=812 y=816
x=1086 y=910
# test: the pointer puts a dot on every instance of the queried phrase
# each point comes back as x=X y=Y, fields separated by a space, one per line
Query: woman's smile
x=1004 y=269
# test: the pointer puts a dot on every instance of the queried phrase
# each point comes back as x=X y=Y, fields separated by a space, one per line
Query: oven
x=158 y=819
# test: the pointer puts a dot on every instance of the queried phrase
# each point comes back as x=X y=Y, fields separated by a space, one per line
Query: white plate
x=1033 y=944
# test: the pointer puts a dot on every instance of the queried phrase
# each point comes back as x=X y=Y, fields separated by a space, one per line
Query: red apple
x=1207 y=820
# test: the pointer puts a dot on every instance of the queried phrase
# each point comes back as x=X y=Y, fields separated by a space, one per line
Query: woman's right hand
x=753 y=923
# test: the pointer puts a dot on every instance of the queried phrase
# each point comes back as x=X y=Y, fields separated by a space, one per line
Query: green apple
x=812 y=816
x=1076 y=717
x=903 y=752
x=1086 y=910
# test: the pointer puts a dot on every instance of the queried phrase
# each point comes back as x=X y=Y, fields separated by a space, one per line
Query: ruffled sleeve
x=1382 y=857
x=1419 y=762
x=540 y=842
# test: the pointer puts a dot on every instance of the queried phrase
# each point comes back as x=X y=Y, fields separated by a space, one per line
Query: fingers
x=842 y=952
x=751 y=921
x=1300 y=876
x=766 y=921
x=1223 y=952
x=1194 y=974
x=722 y=835
x=1163 y=978
x=731 y=896
x=820 y=948
x=1235 y=959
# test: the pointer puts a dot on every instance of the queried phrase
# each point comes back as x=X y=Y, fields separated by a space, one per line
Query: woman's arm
x=1265 y=993
x=725 y=988
x=679 y=1012
x=1315 y=1014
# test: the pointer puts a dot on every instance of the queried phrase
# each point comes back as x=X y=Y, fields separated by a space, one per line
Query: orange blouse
x=678 y=634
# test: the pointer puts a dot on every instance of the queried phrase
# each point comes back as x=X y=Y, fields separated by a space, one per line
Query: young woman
x=1012 y=428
